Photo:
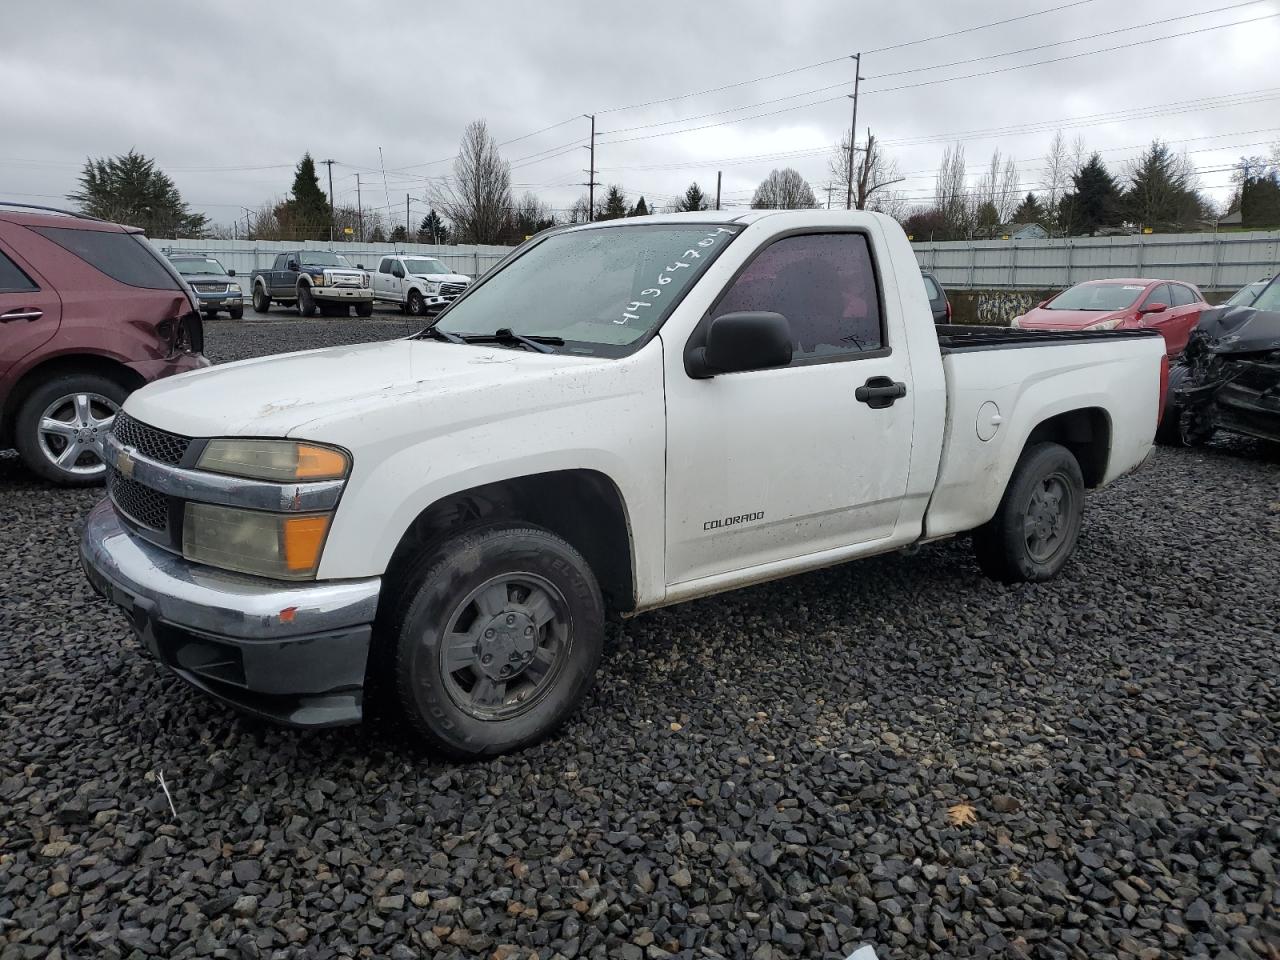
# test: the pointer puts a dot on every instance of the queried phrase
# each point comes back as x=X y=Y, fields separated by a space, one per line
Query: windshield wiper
x=437 y=334
x=507 y=336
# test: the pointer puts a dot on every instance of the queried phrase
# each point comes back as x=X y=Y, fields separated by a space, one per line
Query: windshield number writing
x=631 y=313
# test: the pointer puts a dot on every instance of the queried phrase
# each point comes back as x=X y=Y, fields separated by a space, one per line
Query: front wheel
x=1034 y=531
x=496 y=640
x=261 y=299
x=417 y=306
x=364 y=309
x=237 y=313
x=306 y=302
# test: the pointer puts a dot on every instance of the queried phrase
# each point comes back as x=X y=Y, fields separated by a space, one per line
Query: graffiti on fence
x=998 y=307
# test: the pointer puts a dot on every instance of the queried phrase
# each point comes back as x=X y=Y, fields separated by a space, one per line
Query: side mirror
x=741 y=341
x=359 y=266
x=1154 y=308
x=292 y=265
x=231 y=273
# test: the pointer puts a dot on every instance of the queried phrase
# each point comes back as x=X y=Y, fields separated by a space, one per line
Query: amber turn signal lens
x=320 y=463
x=303 y=538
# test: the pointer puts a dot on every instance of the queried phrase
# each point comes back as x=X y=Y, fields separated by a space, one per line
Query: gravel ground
x=764 y=774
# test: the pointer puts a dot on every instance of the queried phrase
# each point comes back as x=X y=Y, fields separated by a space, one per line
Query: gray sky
x=228 y=96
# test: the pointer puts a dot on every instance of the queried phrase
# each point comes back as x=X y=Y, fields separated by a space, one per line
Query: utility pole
x=359 y=209
x=853 y=127
x=717 y=189
x=330 y=164
x=591 y=173
x=829 y=188
x=406 y=218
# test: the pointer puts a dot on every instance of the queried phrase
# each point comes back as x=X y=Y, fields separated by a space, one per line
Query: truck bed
x=961 y=338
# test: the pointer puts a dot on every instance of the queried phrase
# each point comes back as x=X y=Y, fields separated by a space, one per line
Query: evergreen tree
x=693 y=200
x=1260 y=202
x=378 y=235
x=399 y=234
x=615 y=204
x=640 y=209
x=129 y=189
x=432 y=229
x=306 y=212
x=1096 y=200
x=1160 y=192
x=1030 y=210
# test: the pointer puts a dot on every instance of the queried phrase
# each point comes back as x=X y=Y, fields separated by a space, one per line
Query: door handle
x=880 y=392
x=27 y=313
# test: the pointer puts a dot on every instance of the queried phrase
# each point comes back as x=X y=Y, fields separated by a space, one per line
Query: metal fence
x=247 y=256
x=1212 y=261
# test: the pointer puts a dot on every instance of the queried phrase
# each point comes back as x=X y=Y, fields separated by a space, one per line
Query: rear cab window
x=124 y=257
x=931 y=289
x=12 y=277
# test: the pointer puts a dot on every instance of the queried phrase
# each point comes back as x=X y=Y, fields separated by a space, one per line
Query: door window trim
x=698 y=337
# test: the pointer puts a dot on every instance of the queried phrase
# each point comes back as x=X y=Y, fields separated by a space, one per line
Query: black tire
x=364 y=308
x=416 y=306
x=237 y=313
x=39 y=448
x=261 y=299
x=1006 y=550
x=1169 y=431
x=306 y=302
x=475 y=580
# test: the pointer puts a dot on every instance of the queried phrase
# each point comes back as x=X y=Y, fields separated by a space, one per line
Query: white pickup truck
x=620 y=416
x=417 y=284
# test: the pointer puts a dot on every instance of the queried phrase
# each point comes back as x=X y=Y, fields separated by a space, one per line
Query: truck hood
x=276 y=396
x=443 y=277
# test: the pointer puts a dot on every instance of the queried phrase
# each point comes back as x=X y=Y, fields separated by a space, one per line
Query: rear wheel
x=61 y=426
x=261 y=300
x=1037 y=524
x=306 y=302
x=496 y=637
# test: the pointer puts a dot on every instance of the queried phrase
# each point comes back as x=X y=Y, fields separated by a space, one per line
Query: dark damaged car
x=1228 y=378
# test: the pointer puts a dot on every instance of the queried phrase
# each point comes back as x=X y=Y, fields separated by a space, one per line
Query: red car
x=89 y=312
x=1168 y=306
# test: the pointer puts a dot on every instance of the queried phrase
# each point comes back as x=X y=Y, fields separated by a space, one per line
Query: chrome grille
x=346 y=279
x=451 y=289
x=150 y=442
x=210 y=287
x=139 y=503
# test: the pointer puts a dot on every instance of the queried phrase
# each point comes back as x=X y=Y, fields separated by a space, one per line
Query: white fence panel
x=1212 y=261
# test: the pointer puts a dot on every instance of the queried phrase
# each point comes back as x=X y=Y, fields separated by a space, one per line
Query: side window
x=124 y=257
x=385 y=265
x=1159 y=294
x=824 y=284
x=281 y=260
x=1182 y=296
x=12 y=279
x=931 y=289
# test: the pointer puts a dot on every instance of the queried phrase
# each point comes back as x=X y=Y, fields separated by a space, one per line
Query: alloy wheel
x=72 y=430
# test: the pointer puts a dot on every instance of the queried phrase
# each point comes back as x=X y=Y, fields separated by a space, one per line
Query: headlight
x=433 y=287
x=317 y=278
x=282 y=461
x=364 y=280
x=281 y=546
x=1105 y=324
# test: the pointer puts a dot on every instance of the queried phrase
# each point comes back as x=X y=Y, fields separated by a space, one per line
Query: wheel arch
x=583 y=506
x=1086 y=432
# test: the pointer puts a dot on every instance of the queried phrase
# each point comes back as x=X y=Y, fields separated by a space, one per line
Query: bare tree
x=477 y=198
x=784 y=190
x=873 y=173
x=1057 y=171
x=1079 y=154
x=950 y=197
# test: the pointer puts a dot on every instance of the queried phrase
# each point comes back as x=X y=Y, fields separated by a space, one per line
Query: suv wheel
x=495 y=640
x=261 y=301
x=1034 y=531
x=61 y=426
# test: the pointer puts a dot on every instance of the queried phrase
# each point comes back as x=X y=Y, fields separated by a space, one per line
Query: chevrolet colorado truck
x=313 y=280
x=620 y=416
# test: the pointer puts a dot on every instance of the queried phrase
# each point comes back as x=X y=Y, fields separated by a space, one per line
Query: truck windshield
x=319 y=258
x=600 y=290
x=424 y=265
x=1098 y=296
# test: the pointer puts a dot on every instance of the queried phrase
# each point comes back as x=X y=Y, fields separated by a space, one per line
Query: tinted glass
x=600 y=289
x=1182 y=296
x=282 y=262
x=125 y=257
x=385 y=265
x=1098 y=296
x=321 y=258
x=931 y=289
x=824 y=284
x=204 y=267
x=418 y=265
x=12 y=279
x=1158 y=294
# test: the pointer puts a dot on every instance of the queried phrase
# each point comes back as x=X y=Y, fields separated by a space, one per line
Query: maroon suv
x=89 y=312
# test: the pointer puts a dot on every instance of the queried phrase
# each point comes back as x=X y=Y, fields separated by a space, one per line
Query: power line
x=983 y=26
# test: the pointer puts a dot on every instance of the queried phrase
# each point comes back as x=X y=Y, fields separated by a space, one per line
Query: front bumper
x=294 y=653
x=220 y=301
x=355 y=294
